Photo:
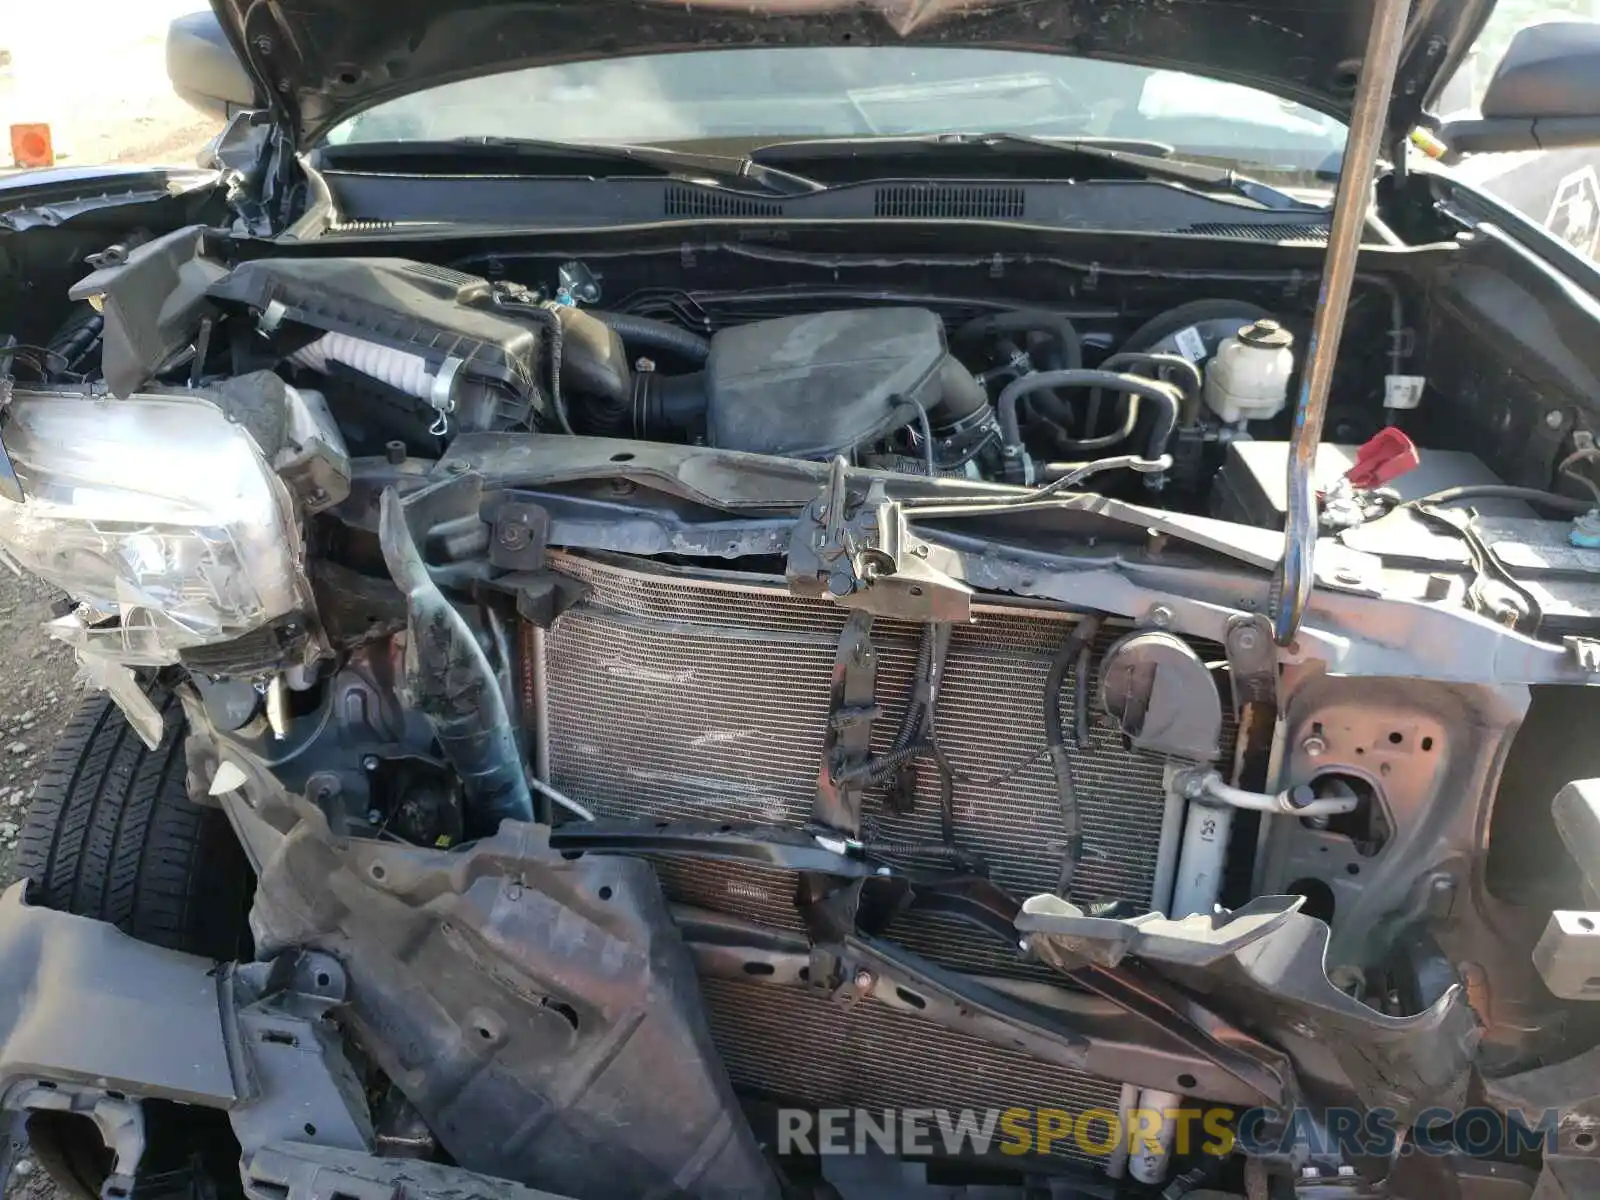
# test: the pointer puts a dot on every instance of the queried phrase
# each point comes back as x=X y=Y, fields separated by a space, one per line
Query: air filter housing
x=432 y=312
x=821 y=384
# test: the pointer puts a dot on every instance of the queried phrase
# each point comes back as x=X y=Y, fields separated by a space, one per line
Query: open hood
x=324 y=60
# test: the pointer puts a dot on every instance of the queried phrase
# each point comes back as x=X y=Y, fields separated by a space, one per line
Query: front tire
x=111 y=833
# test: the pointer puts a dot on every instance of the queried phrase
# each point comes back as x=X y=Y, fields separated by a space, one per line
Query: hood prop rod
x=1292 y=584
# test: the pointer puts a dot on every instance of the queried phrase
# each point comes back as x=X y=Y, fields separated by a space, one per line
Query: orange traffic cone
x=31 y=146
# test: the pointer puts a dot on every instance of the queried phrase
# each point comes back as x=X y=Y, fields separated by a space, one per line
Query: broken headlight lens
x=155 y=510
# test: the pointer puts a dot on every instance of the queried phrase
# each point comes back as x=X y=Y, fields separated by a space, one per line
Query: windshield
x=764 y=95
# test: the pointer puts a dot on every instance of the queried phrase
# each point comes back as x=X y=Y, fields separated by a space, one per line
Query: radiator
x=802 y=1047
x=691 y=694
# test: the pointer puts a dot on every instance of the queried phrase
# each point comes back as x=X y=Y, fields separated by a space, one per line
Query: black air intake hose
x=1026 y=320
x=644 y=333
x=960 y=396
x=668 y=405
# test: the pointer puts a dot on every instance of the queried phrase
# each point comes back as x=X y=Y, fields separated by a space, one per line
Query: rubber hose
x=1066 y=659
x=1188 y=410
x=672 y=405
x=77 y=337
x=1045 y=409
x=656 y=335
x=960 y=395
x=1159 y=394
x=1026 y=320
x=1503 y=491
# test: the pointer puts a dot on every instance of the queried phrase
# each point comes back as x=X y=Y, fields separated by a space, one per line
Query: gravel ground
x=38 y=689
x=105 y=94
x=104 y=90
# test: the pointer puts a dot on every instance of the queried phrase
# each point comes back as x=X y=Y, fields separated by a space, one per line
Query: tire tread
x=112 y=833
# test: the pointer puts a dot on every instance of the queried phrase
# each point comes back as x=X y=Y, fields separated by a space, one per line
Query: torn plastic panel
x=108 y=1021
x=529 y=1005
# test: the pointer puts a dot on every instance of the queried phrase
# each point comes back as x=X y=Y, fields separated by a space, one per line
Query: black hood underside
x=322 y=61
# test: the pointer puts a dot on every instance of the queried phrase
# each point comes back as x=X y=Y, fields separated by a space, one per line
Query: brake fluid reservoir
x=1248 y=379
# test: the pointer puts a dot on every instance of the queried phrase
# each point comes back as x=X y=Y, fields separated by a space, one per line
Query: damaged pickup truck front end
x=658 y=712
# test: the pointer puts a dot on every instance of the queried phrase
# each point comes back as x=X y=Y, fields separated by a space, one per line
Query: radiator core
x=678 y=694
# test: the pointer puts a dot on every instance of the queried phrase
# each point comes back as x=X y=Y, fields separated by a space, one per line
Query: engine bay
x=677 y=706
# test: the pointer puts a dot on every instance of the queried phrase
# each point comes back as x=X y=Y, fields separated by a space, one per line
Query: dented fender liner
x=539 y=1011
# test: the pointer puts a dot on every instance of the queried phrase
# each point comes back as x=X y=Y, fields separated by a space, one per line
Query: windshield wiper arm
x=1158 y=165
x=722 y=169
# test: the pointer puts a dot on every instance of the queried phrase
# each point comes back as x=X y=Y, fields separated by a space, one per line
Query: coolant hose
x=1162 y=395
x=656 y=335
x=1028 y=320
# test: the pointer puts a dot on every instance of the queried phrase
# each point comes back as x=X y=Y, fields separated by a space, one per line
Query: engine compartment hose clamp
x=442 y=394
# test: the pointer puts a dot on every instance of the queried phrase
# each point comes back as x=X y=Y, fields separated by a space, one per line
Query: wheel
x=111 y=833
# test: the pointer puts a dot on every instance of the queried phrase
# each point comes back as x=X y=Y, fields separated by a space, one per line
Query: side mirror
x=1545 y=94
x=204 y=70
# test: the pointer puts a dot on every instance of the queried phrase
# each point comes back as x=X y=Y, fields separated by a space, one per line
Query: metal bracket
x=1262 y=967
x=520 y=535
x=1252 y=663
x=1567 y=955
x=860 y=551
x=847 y=744
x=442 y=394
x=768 y=845
x=1584 y=651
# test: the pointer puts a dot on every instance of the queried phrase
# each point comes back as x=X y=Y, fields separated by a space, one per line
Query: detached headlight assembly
x=155 y=510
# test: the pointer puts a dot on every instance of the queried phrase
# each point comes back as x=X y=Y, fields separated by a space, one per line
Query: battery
x=1253 y=486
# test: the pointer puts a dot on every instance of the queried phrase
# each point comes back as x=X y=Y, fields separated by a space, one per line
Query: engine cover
x=821 y=384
